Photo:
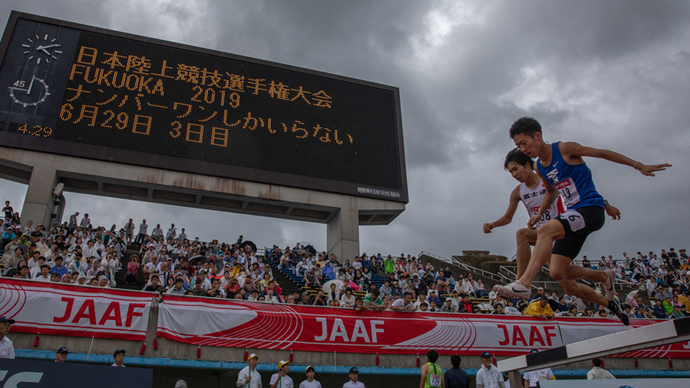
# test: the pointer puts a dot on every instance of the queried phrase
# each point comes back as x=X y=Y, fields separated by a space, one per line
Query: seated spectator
x=216 y=291
x=627 y=310
x=466 y=306
x=132 y=270
x=348 y=299
x=58 y=268
x=373 y=300
x=540 y=308
x=448 y=306
x=179 y=287
x=404 y=303
x=198 y=290
x=319 y=299
x=327 y=272
x=659 y=311
x=333 y=297
x=154 y=285
x=479 y=290
x=44 y=275
x=676 y=314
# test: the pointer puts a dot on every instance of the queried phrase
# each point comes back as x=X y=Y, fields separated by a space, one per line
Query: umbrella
x=327 y=286
x=251 y=244
x=194 y=260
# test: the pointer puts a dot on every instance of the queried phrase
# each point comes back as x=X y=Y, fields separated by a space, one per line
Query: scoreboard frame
x=327 y=157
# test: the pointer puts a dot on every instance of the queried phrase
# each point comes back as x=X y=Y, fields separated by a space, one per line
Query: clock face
x=29 y=93
x=39 y=49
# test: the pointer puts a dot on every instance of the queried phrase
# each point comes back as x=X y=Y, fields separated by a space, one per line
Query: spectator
x=404 y=303
x=347 y=300
x=6 y=346
x=132 y=270
x=539 y=308
x=373 y=300
x=448 y=306
x=659 y=311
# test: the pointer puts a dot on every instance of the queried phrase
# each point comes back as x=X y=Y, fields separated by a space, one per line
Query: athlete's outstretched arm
x=574 y=149
x=507 y=218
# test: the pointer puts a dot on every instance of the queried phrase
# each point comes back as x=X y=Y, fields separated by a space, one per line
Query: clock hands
x=43 y=48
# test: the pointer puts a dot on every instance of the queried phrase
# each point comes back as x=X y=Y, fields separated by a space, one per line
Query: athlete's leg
x=560 y=266
x=526 y=238
x=546 y=235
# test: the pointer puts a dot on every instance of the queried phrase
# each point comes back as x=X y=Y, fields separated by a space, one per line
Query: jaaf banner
x=79 y=311
x=217 y=322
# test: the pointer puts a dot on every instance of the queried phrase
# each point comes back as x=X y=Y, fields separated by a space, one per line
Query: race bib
x=575 y=220
x=568 y=192
x=435 y=380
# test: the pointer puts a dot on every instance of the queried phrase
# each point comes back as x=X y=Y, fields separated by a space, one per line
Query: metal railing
x=467 y=267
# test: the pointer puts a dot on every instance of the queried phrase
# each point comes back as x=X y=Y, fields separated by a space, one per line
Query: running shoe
x=609 y=287
x=513 y=290
x=615 y=308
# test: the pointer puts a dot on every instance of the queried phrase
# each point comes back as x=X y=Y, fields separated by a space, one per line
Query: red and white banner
x=214 y=322
x=59 y=309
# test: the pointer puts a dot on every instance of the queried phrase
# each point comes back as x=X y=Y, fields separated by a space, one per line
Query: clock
x=32 y=95
x=45 y=49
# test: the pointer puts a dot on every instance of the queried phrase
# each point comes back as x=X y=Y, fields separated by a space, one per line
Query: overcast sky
x=609 y=74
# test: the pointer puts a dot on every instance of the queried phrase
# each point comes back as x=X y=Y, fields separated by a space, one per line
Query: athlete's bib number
x=568 y=191
x=575 y=220
x=435 y=380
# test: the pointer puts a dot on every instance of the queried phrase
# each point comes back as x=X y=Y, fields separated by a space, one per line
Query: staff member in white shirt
x=6 y=346
x=353 y=383
x=310 y=382
x=281 y=379
x=249 y=377
x=488 y=375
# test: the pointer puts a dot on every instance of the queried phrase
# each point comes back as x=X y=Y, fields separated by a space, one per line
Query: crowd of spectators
x=170 y=262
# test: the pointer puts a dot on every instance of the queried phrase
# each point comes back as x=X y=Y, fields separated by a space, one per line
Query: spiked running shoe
x=615 y=308
x=513 y=290
x=609 y=287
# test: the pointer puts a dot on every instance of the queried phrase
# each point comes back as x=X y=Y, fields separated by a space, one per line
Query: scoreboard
x=87 y=92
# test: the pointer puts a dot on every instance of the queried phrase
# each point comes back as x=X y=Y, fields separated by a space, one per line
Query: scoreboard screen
x=86 y=92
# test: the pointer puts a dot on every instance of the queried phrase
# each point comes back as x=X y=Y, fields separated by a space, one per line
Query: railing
x=467 y=267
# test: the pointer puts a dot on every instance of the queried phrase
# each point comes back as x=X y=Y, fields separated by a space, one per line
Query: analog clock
x=43 y=48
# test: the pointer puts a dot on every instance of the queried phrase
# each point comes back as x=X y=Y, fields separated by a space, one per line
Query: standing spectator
x=119 y=358
x=488 y=375
x=432 y=374
x=129 y=231
x=6 y=346
x=310 y=382
x=456 y=377
x=61 y=354
x=172 y=233
x=597 y=372
x=143 y=228
x=532 y=378
x=249 y=377
x=353 y=383
x=85 y=222
x=9 y=212
x=281 y=379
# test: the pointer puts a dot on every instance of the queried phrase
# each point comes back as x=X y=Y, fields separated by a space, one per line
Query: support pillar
x=342 y=236
x=39 y=201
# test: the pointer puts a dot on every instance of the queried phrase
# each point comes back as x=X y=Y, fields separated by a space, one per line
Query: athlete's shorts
x=578 y=224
